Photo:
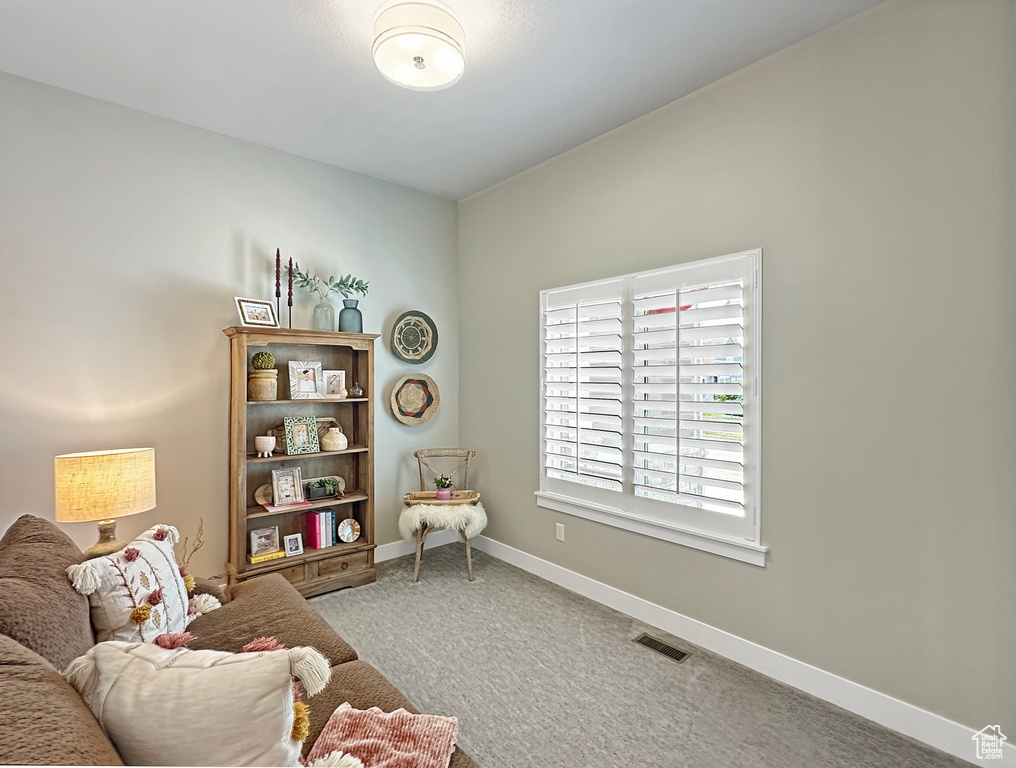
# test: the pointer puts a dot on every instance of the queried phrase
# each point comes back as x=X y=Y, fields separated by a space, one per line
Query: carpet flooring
x=540 y=676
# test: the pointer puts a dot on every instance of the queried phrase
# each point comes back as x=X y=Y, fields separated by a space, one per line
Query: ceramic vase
x=324 y=317
x=263 y=385
x=443 y=494
x=334 y=440
x=264 y=444
x=350 y=319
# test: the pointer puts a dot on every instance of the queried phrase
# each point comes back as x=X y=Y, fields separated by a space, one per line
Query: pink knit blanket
x=396 y=739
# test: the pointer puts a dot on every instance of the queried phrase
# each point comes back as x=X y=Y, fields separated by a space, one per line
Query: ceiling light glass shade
x=419 y=46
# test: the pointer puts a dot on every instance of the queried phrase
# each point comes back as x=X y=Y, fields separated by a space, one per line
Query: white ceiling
x=542 y=76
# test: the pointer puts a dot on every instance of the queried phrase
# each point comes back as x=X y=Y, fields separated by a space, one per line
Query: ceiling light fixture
x=419 y=46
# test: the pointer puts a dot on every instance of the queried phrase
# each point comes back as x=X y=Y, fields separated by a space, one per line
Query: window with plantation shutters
x=650 y=403
x=582 y=387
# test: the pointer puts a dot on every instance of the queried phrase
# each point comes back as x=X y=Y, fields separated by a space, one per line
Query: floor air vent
x=659 y=646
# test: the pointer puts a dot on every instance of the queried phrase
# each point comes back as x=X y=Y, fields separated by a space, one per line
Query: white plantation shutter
x=688 y=413
x=582 y=387
x=650 y=403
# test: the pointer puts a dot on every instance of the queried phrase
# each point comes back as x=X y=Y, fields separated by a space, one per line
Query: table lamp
x=103 y=485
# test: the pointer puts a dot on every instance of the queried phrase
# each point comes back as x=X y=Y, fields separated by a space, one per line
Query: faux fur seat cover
x=471 y=519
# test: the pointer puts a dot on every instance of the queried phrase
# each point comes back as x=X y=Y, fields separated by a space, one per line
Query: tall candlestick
x=278 y=281
x=290 y=292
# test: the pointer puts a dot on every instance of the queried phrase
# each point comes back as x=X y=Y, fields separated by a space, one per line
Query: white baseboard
x=907 y=719
x=400 y=548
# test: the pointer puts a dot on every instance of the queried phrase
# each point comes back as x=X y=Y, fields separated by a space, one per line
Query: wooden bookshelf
x=316 y=570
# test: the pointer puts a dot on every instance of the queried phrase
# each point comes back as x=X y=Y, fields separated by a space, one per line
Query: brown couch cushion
x=45 y=722
x=267 y=606
x=363 y=687
x=38 y=606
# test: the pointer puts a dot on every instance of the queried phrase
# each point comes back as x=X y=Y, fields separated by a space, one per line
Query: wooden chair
x=464 y=456
x=462 y=512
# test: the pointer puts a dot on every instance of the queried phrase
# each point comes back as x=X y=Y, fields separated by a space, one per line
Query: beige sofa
x=44 y=625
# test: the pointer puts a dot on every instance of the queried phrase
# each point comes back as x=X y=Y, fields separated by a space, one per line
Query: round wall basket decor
x=414 y=337
x=415 y=399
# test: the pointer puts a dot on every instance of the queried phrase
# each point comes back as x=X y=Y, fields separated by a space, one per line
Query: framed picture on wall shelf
x=301 y=435
x=287 y=486
x=306 y=381
x=335 y=384
x=257 y=313
x=294 y=544
x=264 y=541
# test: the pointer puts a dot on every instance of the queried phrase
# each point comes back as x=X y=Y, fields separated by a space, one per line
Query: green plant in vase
x=262 y=361
x=444 y=487
x=263 y=380
x=324 y=312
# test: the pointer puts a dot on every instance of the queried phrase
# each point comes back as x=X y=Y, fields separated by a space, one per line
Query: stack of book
x=255 y=559
x=321 y=528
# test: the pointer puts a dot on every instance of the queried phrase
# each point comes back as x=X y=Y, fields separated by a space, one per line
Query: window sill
x=736 y=549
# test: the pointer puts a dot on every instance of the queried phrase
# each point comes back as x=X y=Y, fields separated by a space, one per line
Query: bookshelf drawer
x=293 y=574
x=351 y=562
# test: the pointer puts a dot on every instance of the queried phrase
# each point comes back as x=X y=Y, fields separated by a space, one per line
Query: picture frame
x=287 y=486
x=294 y=544
x=256 y=313
x=334 y=382
x=264 y=541
x=301 y=435
x=306 y=381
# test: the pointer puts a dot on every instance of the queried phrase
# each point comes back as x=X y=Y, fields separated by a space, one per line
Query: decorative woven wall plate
x=415 y=399
x=414 y=337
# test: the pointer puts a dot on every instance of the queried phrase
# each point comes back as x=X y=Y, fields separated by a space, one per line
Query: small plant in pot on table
x=444 y=487
x=323 y=488
x=263 y=381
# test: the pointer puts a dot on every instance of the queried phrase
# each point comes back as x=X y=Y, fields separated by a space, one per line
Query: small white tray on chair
x=429 y=497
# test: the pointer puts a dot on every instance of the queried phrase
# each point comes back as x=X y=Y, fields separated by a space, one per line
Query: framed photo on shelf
x=256 y=312
x=306 y=381
x=301 y=435
x=264 y=541
x=335 y=384
x=287 y=486
x=294 y=544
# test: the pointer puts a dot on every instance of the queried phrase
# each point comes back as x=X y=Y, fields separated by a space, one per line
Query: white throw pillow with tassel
x=138 y=592
x=183 y=707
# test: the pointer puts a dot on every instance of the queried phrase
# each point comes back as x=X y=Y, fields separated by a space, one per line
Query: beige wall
x=874 y=163
x=123 y=239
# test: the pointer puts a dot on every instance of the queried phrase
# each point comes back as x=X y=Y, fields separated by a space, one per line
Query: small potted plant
x=323 y=488
x=444 y=487
x=263 y=381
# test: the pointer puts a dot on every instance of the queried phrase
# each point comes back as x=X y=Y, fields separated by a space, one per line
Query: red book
x=313 y=531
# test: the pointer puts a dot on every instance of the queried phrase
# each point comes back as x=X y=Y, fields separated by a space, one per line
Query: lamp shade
x=102 y=485
x=419 y=46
